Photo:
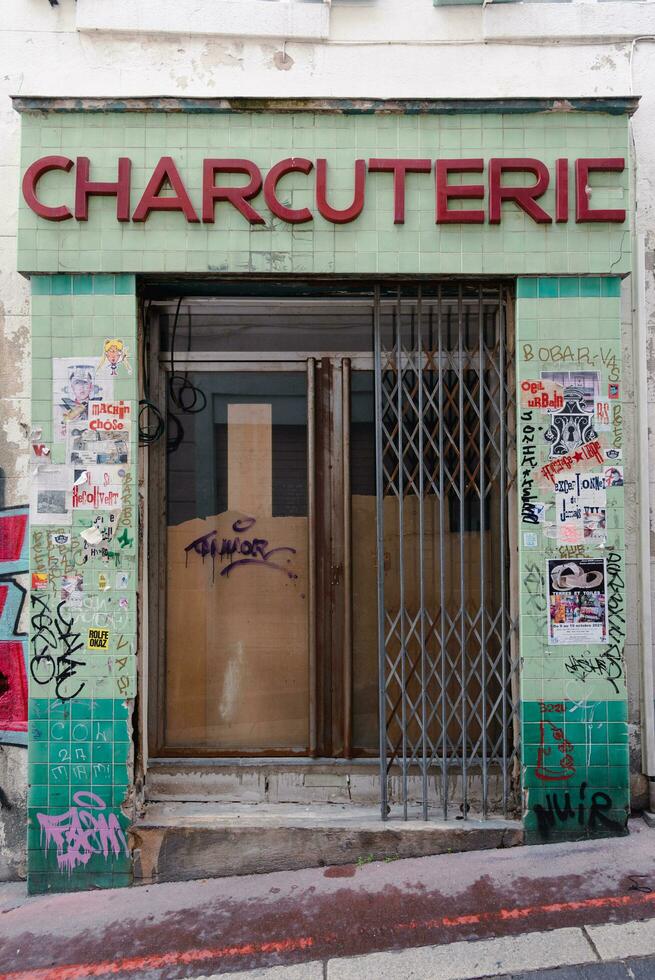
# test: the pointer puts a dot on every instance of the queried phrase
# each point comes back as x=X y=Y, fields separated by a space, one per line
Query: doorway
x=337 y=461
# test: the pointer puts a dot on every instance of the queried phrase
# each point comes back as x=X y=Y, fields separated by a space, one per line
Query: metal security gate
x=446 y=451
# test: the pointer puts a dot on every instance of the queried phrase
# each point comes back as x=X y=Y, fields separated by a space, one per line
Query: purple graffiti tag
x=78 y=834
x=253 y=550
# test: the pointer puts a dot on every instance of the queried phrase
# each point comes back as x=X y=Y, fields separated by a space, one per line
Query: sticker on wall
x=98 y=639
x=114 y=353
x=612 y=390
x=91 y=535
x=74 y=388
x=110 y=416
x=613 y=476
x=60 y=539
x=594 y=522
x=102 y=488
x=577 y=601
x=570 y=426
x=602 y=420
x=613 y=453
x=586 y=381
x=103 y=582
x=40 y=581
x=546 y=396
x=86 y=446
x=51 y=495
x=530 y=539
x=580 y=509
x=586 y=457
x=72 y=589
x=122 y=580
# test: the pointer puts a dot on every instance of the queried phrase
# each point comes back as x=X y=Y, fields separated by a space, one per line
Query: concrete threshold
x=186 y=841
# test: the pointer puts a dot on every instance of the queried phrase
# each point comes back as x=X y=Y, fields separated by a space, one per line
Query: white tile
x=616 y=941
x=462 y=961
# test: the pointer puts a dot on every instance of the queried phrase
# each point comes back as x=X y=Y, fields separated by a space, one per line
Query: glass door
x=237 y=670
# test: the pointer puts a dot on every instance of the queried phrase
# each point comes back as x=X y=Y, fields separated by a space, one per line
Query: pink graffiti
x=78 y=834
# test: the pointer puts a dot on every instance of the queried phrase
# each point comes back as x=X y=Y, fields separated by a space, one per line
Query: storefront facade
x=374 y=349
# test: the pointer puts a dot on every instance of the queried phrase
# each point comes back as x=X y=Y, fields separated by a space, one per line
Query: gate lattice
x=445 y=411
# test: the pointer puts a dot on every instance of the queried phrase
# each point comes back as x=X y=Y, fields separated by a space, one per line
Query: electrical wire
x=186 y=397
x=150 y=420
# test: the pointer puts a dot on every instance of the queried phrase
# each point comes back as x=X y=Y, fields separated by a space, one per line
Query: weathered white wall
x=375 y=48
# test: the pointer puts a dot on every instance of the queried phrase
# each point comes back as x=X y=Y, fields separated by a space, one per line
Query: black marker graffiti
x=529 y=508
x=616 y=616
x=585 y=665
x=592 y=817
x=255 y=551
x=49 y=634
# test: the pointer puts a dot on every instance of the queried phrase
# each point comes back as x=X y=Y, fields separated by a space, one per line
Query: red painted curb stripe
x=80 y=971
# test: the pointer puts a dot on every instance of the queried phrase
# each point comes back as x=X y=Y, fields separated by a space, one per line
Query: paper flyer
x=577 y=601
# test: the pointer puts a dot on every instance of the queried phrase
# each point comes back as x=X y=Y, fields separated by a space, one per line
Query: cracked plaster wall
x=498 y=51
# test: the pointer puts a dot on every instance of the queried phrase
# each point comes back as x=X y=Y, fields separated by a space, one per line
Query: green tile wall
x=573 y=697
x=370 y=244
x=81 y=700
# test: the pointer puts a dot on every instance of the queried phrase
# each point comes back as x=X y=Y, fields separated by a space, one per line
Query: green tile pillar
x=571 y=558
x=83 y=564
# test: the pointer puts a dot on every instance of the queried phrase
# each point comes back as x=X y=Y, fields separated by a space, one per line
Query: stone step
x=186 y=841
x=302 y=781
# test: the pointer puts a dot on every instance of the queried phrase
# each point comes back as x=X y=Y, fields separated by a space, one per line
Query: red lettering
x=295 y=216
x=119 y=189
x=399 y=168
x=583 y=167
x=561 y=190
x=523 y=196
x=165 y=171
x=33 y=175
x=446 y=191
x=237 y=196
x=340 y=216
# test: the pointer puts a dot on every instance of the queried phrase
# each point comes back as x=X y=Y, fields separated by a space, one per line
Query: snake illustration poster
x=577 y=601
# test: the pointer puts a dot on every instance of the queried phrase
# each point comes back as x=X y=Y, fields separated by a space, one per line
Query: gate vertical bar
x=347 y=642
x=503 y=544
x=483 y=570
x=401 y=546
x=442 y=568
x=462 y=610
x=311 y=550
x=379 y=519
x=421 y=552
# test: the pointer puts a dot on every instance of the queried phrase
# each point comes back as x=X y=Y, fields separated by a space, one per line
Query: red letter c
x=295 y=216
x=33 y=175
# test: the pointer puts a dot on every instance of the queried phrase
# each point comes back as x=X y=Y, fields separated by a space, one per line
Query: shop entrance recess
x=329 y=537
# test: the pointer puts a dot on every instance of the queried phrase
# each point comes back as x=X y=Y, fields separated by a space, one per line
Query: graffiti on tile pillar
x=572 y=567
x=13 y=641
x=83 y=830
x=81 y=608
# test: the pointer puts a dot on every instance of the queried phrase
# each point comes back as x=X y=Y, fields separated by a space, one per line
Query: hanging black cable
x=151 y=420
x=187 y=398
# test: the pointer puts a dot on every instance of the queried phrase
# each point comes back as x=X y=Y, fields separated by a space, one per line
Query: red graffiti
x=551 y=740
x=13 y=677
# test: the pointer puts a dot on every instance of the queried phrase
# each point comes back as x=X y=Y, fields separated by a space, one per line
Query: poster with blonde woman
x=114 y=353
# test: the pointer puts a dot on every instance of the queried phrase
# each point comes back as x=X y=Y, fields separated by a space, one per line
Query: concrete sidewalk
x=531 y=956
x=488 y=913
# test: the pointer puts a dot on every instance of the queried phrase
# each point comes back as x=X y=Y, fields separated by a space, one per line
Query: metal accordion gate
x=445 y=444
